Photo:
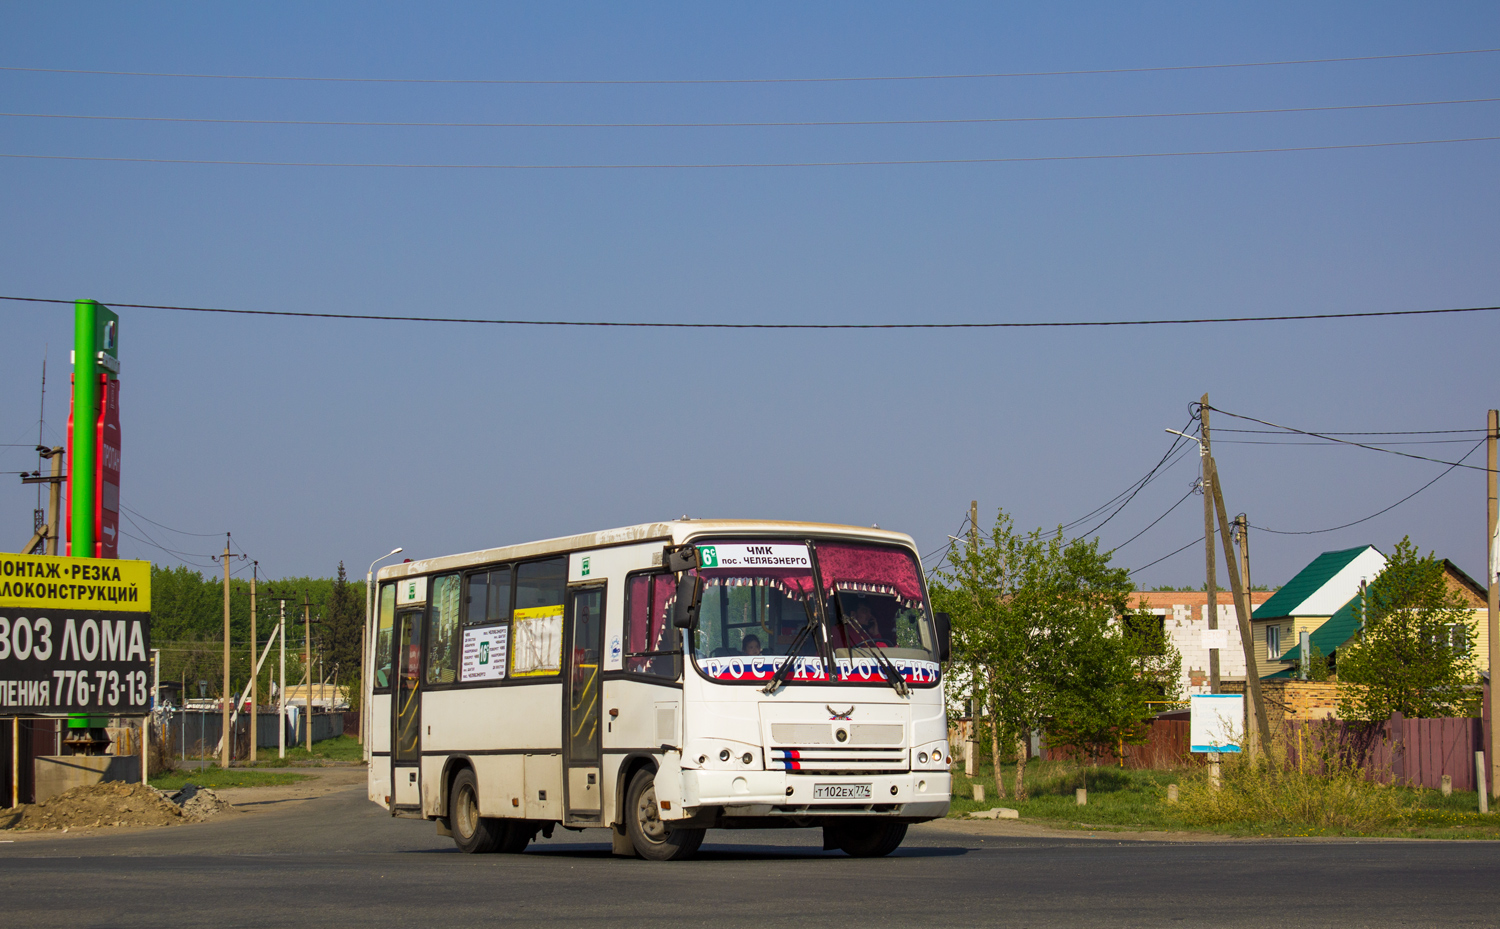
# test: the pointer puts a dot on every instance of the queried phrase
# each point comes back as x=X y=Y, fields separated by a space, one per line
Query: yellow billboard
x=54 y=582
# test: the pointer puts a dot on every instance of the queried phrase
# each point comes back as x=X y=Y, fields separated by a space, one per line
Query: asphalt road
x=337 y=860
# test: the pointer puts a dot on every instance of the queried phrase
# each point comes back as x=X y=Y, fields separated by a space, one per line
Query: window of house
x=442 y=630
x=1273 y=642
x=650 y=631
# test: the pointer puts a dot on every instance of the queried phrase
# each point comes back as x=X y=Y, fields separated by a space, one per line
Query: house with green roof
x=1322 y=590
x=1342 y=625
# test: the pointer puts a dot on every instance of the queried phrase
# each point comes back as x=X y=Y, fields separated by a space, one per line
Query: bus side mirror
x=689 y=592
x=944 y=635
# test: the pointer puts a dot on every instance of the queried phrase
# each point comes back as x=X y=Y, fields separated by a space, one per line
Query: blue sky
x=315 y=441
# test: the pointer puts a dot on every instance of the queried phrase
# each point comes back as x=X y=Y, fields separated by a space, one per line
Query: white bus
x=660 y=680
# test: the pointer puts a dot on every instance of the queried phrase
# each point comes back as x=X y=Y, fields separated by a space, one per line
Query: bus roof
x=676 y=532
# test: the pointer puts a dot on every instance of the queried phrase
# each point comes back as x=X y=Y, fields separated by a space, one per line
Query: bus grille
x=839 y=760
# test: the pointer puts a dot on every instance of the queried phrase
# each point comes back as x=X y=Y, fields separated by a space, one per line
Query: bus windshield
x=758 y=610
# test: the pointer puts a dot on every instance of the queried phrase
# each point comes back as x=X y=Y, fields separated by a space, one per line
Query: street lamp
x=364 y=651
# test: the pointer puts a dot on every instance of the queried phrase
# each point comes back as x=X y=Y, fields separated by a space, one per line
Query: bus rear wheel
x=865 y=838
x=654 y=838
x=472 y=833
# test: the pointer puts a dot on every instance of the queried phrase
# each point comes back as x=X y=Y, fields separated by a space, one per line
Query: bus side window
x=541 y=583
x=383 y=644
x=646 y=597
x=442 y=631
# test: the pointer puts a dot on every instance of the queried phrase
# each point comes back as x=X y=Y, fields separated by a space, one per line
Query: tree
x=341 y=631
x=1413 y=652
x=1117 y=667
x=1032 y=619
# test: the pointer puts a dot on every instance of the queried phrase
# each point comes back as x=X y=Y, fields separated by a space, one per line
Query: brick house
x=1184 y=619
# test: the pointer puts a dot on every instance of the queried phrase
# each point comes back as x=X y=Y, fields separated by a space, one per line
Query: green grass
x=342 y=750
x=218 y=778
x=1131 y=799
x=1117 y=797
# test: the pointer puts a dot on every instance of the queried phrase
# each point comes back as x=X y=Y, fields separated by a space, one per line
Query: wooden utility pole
x=1257 y=725
x=1492 y=462
x=224 y=703
x=971 y=764
x=281 y=701
x=1211 y=573
x=307 y=645
x=254 y=666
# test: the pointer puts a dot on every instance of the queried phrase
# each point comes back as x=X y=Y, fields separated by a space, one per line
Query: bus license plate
x=841 y=791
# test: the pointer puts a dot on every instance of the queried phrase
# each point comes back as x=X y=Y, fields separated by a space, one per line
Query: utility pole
x=1210 y=588
x=1257 y=725
x=46 y=539
x=224 y=704
x=970 y=763
x=254 y=671
x=1492 y=462
x=1242 y=538
x=307 y=644
x=281 y=703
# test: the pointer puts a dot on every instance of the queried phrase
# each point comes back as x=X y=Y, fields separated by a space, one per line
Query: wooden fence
x=1414 y=752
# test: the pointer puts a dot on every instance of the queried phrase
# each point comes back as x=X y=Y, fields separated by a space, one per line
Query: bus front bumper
x=906 y=794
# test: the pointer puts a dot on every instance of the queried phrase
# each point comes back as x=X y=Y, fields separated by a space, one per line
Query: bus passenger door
x=406 y=711
x=585 y=639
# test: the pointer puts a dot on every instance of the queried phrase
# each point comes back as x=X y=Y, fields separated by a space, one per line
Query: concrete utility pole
x=1210 y=588
x=307 y=644
x=254 y=668
x=1257 y=725
x=1492 y=462
x=224 y=704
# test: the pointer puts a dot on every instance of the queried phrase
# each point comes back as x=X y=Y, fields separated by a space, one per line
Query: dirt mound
x=112 y=803
x=117 y=803
x=199 y=803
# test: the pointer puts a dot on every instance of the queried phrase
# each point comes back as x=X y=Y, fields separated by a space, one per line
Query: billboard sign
x=1216 y=722
x=75 y=635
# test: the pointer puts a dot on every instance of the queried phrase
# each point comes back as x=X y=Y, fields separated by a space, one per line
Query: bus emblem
x=837 y=715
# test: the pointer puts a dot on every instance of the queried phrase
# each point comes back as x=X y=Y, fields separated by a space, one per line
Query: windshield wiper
x=779 y=677
x=892 y=676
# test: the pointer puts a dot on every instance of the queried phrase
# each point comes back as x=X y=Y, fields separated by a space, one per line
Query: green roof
x=1306 y=583
x=1334 y=632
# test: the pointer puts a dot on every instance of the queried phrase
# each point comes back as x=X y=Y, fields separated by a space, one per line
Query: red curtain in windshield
x=871 y=570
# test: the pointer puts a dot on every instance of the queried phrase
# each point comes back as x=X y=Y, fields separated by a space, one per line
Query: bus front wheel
x=654 y=838
x=472 y=833
x=864 y=838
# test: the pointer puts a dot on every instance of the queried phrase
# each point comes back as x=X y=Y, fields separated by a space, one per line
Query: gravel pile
x=117 y=803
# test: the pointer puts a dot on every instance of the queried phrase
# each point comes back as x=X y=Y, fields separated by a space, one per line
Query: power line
x=663 y=166
x=793 y=124
x=169 y=528
x=1444 y=474
x=1132 y=490
x=1165 y=557
x=1330 y=438
x=1325 y=444
x=1158 y=519
x=1330 y=432
x=830 y=326
x=760 y=80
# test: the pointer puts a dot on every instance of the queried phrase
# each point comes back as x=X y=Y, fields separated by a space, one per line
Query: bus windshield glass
x=758 y=609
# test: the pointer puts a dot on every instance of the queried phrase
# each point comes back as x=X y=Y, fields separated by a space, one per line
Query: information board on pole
x=75 y=635
x=1216 y=722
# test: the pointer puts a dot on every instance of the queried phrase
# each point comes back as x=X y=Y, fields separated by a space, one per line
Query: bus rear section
x=659 y=681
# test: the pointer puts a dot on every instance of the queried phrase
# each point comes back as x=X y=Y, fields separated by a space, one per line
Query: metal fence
x=196 y=733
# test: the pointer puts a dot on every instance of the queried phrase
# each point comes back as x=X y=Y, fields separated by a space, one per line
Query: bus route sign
x=75 y=635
